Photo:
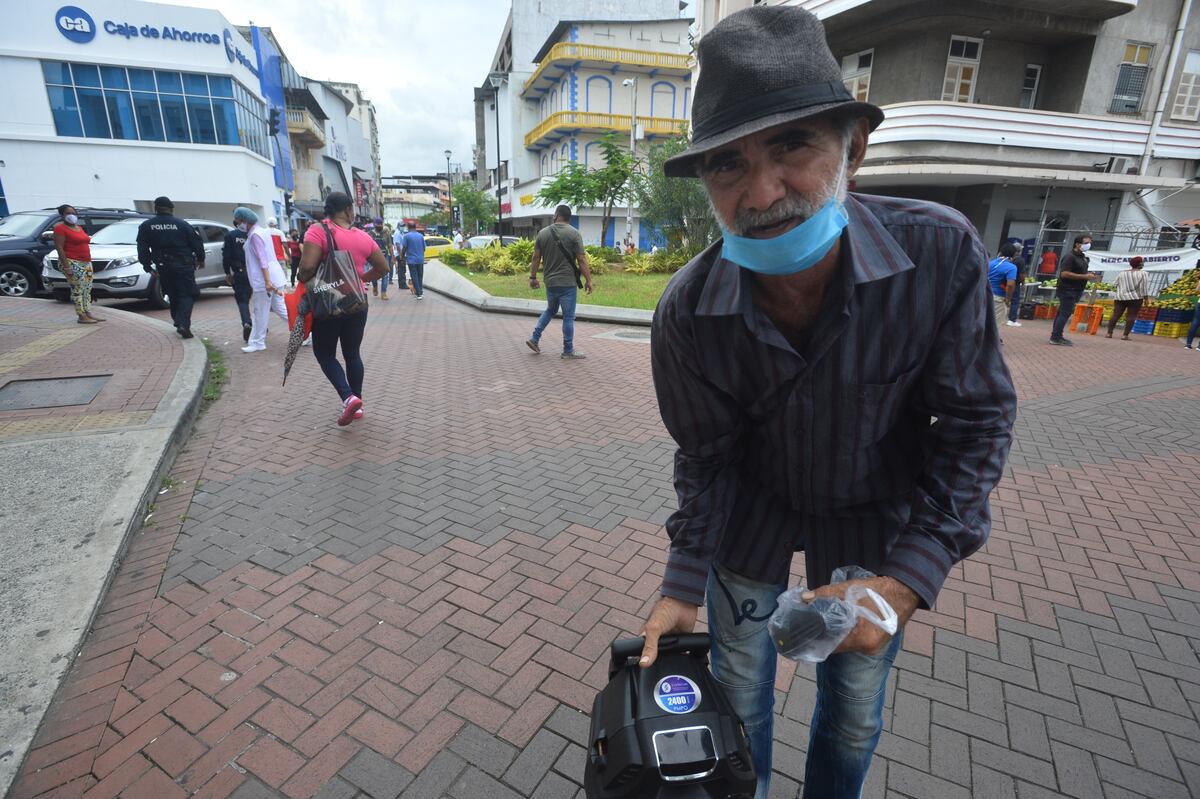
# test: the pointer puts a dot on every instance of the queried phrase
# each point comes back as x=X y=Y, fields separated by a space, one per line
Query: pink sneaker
x=358 y=414
x=349 y=408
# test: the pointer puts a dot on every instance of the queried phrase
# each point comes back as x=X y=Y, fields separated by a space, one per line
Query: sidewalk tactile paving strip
x=419 y=605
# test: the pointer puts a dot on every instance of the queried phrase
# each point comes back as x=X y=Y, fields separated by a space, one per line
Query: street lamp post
x=449 y=197
x=497 y=79
x=633 y=152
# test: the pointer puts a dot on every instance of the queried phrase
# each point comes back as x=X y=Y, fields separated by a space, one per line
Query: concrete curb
x=139 y=458
x=447 y=282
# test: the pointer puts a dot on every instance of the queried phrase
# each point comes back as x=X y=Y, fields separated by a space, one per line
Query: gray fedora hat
x=759 y=68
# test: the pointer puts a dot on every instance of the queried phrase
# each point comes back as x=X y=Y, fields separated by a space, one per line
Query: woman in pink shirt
x=326 y=333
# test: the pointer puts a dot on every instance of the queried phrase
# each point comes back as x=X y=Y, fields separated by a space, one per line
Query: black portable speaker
x=667 y=731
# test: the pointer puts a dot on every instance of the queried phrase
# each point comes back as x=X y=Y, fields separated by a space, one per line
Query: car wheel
x=155 y=295
x=16 y=281
x=62 y=296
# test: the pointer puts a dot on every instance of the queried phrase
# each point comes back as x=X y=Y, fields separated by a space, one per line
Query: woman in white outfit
x=266 y=277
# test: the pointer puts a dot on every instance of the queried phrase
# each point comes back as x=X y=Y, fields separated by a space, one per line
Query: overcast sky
x=417 y=60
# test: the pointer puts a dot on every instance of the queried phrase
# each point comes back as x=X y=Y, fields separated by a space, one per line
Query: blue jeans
x=848 y=716
x=348 y=331
x=1015 y=307
x=1195 y=328
x=417 y=273
x=559 y=297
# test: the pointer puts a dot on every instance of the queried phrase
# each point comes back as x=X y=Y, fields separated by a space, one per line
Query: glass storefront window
x=164 y=105
x=120 y=115
x=66 y=110
x=141 y=79
x=114 y=77
x=149 y=118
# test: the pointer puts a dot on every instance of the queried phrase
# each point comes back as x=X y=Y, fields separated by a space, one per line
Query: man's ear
x=858 y=145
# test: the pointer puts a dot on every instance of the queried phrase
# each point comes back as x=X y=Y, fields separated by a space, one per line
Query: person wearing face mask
x=233 y=259
x=266 y=278
x=1073 y=277
x=327 y=334
x=798 y=427
x=1131 y=291
x=75 y=259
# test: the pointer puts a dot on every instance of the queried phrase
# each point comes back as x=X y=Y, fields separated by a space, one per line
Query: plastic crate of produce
x=1170 y=329
x=1144 y=327
x=1175 y=315
x=1148 y=315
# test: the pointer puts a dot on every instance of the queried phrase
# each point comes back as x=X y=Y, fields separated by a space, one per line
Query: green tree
x=678 y=206
x=479 y=208
x=435 y=219
x=580 y=187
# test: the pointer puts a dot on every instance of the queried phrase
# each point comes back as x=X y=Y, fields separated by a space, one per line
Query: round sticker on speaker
x=677 y=694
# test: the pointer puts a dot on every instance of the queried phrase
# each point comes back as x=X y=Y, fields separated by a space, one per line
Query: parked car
x=116 y=271
x=436 y=245
x=26 y=237
x=479 y=242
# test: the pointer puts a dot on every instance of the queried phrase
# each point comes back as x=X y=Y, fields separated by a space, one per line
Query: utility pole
x=449 y=197
x=633 y=152
x=497 y=79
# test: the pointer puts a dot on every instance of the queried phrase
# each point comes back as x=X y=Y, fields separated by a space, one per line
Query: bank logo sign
x=76 y=24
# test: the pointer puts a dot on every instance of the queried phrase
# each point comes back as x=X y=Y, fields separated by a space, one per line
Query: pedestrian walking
x=794 y=429
x=75 y=261
x=170 y=249
x=265 y=274
x=233 y=260
x=1072 y=279
x=1002 y=275
x=558 y=251
x=1131 y=291
x=413 y=248
x=293 y=251
x=458 y=240
x=1014 y=305
x=346 y=330
x=398 y=258
x=1195 y=326
x=375 y=230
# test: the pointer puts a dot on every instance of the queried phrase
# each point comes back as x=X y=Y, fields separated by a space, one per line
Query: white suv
x=116 y=271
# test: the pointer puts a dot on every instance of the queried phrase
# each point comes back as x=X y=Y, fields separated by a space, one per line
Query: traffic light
x=273 y=122
x=287 y=204
x=458 y=215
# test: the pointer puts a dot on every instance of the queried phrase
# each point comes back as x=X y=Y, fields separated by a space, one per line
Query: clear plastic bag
x=810 y=631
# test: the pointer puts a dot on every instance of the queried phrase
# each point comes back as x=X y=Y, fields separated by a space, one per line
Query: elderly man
x=799 y=426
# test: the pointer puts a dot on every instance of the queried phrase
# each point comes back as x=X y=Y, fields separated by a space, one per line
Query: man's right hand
x=533 y=282
x=670 y=615
x=229 y=280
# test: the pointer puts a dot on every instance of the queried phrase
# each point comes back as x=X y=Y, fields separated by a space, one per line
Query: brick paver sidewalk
x=420 y=604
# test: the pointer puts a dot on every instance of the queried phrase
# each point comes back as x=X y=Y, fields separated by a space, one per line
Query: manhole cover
x=625 y=334
x=24 y=395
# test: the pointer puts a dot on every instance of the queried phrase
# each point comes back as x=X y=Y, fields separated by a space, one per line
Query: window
x=1132 y=76
x=106 y=102
x=962 y=67
x=211 y=234
x=1187 y=101
x=856 y=74
x=1029 y=89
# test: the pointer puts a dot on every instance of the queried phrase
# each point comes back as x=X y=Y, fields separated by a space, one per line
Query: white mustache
x=792 y=206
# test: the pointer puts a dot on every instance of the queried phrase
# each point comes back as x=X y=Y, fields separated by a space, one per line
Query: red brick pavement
x=429 y=646
x=34 y=348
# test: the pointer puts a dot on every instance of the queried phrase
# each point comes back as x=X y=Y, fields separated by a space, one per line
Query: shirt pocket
x=869 y=411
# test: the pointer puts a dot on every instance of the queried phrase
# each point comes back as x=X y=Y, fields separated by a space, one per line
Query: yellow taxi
x=436 y=245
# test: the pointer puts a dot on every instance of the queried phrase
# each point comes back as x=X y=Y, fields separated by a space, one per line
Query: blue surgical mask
x=794 y=251
x=1085 y=247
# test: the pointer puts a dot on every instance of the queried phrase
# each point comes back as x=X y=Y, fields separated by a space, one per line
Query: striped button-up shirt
x=832 y=449
x=1131 y=285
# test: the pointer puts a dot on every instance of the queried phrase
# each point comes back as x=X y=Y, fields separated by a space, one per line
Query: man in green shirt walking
x=557 y=249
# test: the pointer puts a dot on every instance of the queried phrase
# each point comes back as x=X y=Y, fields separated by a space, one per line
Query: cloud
x=418 y=62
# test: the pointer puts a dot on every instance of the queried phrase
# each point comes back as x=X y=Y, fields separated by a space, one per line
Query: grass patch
x=218 y=375
x=615 y=289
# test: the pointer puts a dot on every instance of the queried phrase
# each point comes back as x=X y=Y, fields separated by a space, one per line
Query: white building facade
x=122 y=101
x=1038 y=119
x=562 y=73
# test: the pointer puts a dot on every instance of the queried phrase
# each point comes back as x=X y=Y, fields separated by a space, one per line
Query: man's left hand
x=587 y=288
x=866 y=637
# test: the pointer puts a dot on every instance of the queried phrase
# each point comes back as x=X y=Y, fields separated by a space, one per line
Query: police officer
x=172 y=247
x=233 y=258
